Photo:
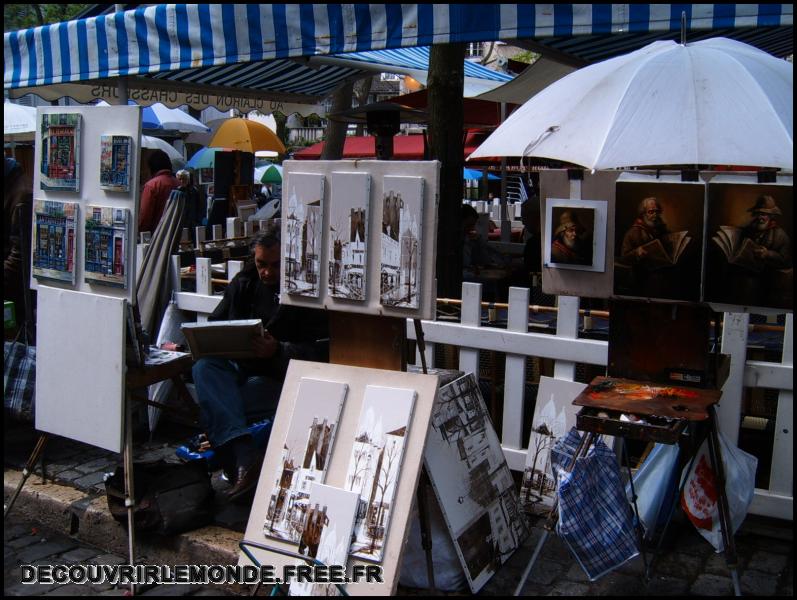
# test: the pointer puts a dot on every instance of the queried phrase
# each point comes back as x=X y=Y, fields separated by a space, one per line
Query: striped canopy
x=223 y=46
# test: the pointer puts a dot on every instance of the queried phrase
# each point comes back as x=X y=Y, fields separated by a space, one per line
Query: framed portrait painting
x=575 y=234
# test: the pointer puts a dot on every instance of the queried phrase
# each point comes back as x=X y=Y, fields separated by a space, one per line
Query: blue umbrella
x=476 y=174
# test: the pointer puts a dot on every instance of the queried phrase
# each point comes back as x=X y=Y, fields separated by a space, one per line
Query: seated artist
x=232 y=393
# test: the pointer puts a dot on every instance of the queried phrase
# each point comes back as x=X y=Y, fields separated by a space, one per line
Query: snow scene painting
x=554 y=416
x=472 y=481
x=302 y=238
x=402 y=220
x=348 y=232
x=305 y=456
x=375 y=464
x=326 y=534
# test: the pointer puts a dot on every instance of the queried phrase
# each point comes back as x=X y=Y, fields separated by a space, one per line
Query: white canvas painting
x=554 y=416
x=472 y=481
x=375 y=464
x=348 y=235
x=305 y=456
x=326 y=534
x=402 y=215
x=301 y=245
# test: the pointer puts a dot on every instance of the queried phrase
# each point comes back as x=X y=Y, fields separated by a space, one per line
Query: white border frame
x=598 y=239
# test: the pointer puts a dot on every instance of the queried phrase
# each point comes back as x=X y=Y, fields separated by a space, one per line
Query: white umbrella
x=19 y=122
x=153 y=143
x=713 y=102
x=159 y=116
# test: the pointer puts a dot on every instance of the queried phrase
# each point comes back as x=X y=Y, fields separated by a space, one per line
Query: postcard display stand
x=80 y=383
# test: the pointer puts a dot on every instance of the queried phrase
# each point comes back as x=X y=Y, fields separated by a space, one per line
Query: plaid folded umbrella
x=595 y=518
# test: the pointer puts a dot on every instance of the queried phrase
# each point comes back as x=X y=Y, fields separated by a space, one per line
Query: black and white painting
x=472 y=481
x=305 y=456
x=302 y=241
x=554 y=416
x=375 y=464
x=348 y=235
x=400 y=268
x=326 y=534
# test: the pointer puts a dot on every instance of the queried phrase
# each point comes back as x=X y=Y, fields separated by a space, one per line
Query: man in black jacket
x=233 y=392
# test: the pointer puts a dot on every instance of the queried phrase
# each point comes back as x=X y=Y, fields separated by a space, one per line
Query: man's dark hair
x=266 y=238
x=158 y=161
x=468 y=212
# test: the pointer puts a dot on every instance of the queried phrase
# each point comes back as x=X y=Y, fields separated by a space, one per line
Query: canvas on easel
x=401 y=243
x=348 y=235
x=105 y=254
x=302 y=253
x=60 y=153
x=54 y=242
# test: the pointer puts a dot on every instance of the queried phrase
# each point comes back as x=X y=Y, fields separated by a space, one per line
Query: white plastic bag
x=654 y=482
x=699 y=498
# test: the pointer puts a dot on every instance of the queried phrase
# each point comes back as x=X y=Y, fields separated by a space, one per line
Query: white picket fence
x=567 y=349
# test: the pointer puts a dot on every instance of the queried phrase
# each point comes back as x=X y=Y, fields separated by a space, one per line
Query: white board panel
x=96 y=123
x=80 y=367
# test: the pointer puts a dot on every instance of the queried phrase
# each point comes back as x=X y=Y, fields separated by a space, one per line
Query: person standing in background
x=156 y=191
x=192 y=209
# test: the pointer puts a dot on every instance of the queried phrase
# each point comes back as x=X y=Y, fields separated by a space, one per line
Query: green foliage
x=23 y=16
x=527 y=57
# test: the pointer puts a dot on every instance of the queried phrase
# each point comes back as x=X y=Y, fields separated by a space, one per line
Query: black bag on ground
x=170 y=497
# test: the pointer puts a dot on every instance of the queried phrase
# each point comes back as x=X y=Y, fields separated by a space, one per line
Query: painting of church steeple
x=400 y=272
x=301 y=244
x=348 y=235
x=305 y=455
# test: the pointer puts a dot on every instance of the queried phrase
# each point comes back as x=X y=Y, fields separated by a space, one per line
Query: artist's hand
x=761 y=253
x=641 y=252
x=266 y=346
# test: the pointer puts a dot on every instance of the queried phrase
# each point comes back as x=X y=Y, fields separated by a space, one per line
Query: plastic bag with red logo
x=699 y=498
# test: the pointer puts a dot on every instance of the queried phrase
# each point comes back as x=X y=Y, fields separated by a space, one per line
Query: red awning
x=405 y=147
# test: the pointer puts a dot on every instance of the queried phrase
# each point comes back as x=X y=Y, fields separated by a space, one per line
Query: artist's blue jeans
x=229 y=398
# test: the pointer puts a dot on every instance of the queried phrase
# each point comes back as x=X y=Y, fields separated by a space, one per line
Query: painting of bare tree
x=348 y=233
x=375 y=464
x=554 y=415
x=326 y=535
x=302 y=235
x=472 y=481
x=305 y=456
x=400 y=268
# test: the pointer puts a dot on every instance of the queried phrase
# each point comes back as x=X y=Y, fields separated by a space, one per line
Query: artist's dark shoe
x=246 y=481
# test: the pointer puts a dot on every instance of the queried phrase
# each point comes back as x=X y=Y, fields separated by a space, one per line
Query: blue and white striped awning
x=223 y=46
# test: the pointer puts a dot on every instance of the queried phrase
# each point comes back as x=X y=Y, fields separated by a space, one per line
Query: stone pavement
x=66 y=521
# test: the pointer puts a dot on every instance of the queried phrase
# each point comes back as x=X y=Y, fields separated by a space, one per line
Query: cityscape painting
x=60 y=152
x=106 y=245
x=400 y=267
x=375 y=464
x=554 y=416
x=326 y=534
x=472 y=481
x=302 y=237
x=54 y=240
x=115 y=162
x=305 y=456
x=348 y=233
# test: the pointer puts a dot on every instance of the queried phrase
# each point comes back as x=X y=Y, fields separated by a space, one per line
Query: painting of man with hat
x=750 y=262
x=572 y=242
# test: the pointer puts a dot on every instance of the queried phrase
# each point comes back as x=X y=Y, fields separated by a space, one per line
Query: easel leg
x=726 y=527
x=26 y=472
x=129 y=490
x=426 y=530
x=639 y=536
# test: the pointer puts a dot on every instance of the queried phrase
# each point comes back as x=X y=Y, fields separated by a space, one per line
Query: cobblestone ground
x=25 y=543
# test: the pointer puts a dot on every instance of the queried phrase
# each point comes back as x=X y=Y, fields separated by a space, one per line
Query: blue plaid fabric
x=19 y=380
x=595 y=518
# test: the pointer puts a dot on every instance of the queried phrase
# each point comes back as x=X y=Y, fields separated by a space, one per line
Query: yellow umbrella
x=247 y=136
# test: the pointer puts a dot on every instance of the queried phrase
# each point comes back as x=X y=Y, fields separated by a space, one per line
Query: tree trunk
x=361 y=92
x=446 y=121
x=335 y=134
